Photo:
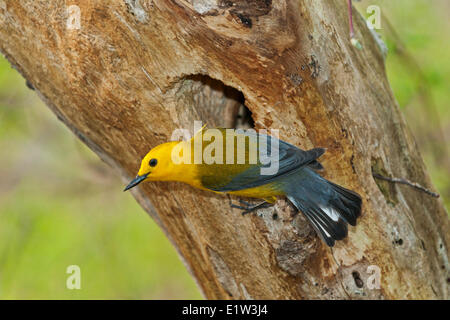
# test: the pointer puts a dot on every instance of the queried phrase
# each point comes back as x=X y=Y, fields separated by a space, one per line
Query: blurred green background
x=60 y=205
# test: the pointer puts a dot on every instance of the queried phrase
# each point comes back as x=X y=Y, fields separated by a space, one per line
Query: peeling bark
x=137 y=70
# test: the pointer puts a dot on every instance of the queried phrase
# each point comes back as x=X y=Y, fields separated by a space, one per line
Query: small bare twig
x=350 y=19
x=408 y=183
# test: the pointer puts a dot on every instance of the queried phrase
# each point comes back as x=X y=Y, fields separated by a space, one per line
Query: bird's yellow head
x=157 y=165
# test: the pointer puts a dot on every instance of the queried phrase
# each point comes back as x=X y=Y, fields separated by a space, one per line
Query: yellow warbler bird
x=251 y=164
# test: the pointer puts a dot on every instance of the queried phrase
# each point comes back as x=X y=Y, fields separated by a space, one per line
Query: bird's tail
x=326 y=205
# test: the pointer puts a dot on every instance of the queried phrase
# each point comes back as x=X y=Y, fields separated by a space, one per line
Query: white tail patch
x=329 y=211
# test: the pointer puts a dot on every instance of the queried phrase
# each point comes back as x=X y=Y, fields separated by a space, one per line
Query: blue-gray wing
x=276 y=159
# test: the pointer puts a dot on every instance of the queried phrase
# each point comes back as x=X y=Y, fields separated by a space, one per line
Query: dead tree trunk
x=133 y=71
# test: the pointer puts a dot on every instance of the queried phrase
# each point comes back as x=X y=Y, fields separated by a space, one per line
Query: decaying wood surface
x=136 y=70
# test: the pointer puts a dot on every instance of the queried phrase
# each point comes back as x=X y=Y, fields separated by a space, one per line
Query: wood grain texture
x=138 y=69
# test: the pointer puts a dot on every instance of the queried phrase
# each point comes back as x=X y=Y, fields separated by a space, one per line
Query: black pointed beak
x=136 y=181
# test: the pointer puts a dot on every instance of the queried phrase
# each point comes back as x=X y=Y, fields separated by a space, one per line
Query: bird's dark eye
x=153 y=162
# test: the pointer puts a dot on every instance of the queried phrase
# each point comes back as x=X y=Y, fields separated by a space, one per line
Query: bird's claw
x=248 y=208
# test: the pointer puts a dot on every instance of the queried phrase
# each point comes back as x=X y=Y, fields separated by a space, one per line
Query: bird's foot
x=248 y=207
